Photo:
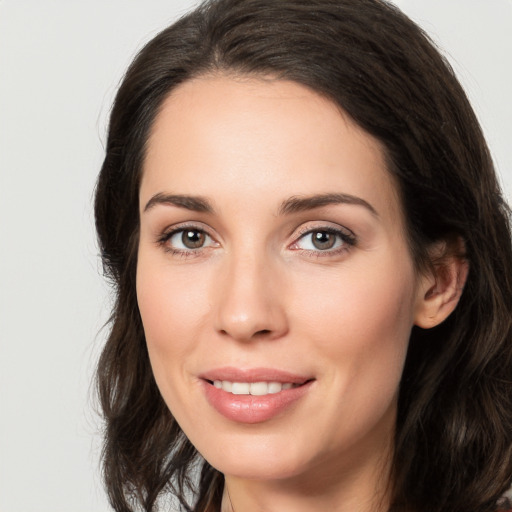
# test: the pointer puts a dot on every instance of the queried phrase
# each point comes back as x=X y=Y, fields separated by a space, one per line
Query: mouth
x=254 y=388
x=256 y=395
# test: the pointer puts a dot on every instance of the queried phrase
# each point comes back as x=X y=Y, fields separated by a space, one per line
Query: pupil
x=192 y=239
x=323 y=240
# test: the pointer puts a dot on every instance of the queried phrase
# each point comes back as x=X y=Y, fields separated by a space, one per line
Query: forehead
x=217 y=136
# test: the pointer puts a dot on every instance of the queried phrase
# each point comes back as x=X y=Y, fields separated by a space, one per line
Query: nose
x=249 y=300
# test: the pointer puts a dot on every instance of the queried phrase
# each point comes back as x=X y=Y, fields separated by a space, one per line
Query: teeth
x=240 y=388
x=253 y=388
x=274 y=387
x=259 y=388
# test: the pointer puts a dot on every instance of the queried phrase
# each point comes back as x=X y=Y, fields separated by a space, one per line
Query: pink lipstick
x=254 y=395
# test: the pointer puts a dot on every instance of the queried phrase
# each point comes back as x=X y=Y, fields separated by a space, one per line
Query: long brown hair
x=453 y=446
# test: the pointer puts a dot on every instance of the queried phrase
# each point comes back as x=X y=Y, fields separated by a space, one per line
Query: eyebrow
x=193 y=203
x=292 y=205
x=299 y=204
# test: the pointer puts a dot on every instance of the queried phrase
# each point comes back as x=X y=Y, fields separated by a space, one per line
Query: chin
x=260 y=469
x=259 y=458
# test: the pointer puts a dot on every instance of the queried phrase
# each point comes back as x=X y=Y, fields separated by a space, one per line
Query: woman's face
x=274 y=280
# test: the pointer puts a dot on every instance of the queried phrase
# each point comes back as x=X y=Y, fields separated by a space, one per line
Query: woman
x=313 y=266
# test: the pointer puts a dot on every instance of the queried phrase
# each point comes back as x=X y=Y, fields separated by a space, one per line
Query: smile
x=253 y=388
x=254 y=395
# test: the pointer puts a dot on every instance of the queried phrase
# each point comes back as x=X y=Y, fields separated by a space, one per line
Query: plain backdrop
x=60 y=64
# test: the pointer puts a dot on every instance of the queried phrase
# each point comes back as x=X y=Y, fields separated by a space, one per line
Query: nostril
x=263 y=332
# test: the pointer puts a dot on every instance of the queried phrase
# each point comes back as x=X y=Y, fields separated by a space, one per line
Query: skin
x=258 y=293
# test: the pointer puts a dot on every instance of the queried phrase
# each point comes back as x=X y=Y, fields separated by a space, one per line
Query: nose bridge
x=248 y=301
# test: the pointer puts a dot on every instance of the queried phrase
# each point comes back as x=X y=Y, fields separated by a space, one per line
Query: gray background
x=60 y=63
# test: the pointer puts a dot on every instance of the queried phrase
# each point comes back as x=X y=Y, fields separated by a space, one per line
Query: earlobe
x=439 y=291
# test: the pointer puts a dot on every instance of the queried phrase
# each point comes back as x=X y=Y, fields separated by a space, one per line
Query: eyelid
x=165 y=235
x=181 y=226
x=310 y=227
x=346 y=235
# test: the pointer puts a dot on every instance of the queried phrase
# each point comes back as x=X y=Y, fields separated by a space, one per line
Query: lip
x=248 y=408
x=253 y=375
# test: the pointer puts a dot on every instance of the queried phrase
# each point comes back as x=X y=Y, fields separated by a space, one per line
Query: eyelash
x=164 y=238
x=346 y=236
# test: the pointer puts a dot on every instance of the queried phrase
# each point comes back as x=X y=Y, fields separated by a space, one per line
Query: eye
x=323 y=240
x=187 y=239
x=327 y=240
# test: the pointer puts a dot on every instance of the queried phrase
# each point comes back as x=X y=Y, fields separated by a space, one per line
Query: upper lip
x=233 y=374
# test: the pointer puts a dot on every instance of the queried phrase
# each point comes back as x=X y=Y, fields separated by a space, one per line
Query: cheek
x=172 y=308
x=360 y=318
x=171 y=302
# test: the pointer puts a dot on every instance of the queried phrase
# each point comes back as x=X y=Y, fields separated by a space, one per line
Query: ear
x=440 y=289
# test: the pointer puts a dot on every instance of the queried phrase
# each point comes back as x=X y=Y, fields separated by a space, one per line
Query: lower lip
x=253 y=409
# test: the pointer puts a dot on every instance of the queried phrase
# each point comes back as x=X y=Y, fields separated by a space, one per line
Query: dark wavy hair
x=453 y=444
